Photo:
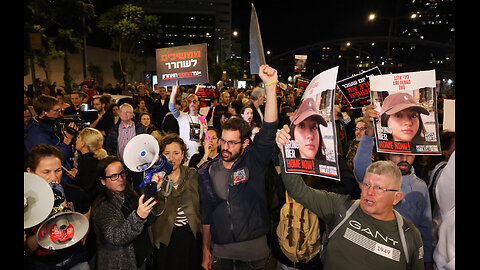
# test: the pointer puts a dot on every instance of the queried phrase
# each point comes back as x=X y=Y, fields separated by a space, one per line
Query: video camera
x=81 y=119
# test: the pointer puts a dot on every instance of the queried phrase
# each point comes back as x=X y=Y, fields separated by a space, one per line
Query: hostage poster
x=206 y=94
x=187 y=64
x=313 y=148
x=356 y=89
x=407 y=105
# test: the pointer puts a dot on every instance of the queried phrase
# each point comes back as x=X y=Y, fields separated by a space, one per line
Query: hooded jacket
x=244 y=215
x=444 y=253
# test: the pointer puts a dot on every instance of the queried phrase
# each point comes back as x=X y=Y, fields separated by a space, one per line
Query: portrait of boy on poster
x=312 y=148
x=407 y=109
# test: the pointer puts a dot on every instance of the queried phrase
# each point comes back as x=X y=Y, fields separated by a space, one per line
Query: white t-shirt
x=190 y=129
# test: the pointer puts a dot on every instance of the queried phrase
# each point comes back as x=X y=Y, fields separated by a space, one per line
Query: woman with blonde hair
x=89 y=148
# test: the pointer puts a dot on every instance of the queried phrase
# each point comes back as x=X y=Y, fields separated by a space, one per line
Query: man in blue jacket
x=234 y=206
x=42 y=130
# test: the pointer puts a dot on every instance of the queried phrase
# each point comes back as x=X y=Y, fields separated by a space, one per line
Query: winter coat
x=115 y=233
x=244 y=215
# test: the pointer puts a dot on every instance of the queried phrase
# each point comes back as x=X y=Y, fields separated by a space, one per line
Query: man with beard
x=415 y=205
x=234 y=204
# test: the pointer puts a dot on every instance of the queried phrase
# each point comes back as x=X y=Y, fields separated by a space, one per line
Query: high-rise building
x=187 y=22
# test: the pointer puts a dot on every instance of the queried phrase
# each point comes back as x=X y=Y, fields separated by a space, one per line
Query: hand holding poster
x=407 y=106
x=312 y=148
x=188 y=64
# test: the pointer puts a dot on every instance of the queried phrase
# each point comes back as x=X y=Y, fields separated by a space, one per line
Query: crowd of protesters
x=219 y=207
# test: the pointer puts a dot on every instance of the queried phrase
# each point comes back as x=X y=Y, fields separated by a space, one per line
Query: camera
x=81 y=120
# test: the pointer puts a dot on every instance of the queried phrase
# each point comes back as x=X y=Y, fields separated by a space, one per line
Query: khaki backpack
x=298 y=232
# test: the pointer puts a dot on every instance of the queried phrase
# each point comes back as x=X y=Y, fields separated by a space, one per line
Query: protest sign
x=300 y=63
x=302 y=82
x=407 y=104
x=313 y=148
x=206 y=94
x=187 y=64
x=449 y=114
x=356 y=89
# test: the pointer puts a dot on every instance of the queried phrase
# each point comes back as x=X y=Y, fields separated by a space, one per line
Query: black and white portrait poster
x=407 y=107
x=313 y=148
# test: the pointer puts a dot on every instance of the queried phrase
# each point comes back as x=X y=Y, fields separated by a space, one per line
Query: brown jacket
x=186 y=196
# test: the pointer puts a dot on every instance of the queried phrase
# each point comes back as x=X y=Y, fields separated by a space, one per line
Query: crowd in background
x=170 y=233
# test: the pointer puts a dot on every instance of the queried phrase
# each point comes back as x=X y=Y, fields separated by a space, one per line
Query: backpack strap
x=289 y=201
x=407 y=237
x=344 y=212
x=301 y=236
x=402 y=235
x=345 y=216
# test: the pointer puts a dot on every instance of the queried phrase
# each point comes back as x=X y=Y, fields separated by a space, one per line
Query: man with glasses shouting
x=234 y=206
x=364 y=233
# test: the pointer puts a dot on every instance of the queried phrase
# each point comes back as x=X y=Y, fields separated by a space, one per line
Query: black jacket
x=111 y=140
x=244 y=215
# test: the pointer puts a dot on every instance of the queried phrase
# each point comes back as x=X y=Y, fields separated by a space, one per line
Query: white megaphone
x=142 y=154
x=37 y=200
x=62 y=230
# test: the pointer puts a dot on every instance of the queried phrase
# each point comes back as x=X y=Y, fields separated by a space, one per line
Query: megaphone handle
x=147 y=177
x=168 y=187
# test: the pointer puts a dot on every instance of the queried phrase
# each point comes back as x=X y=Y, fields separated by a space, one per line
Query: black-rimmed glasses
x=114 y=177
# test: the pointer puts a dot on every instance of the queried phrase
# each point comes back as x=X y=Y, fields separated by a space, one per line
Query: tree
x=128 y=26
x=232 y=67
x=62 y=24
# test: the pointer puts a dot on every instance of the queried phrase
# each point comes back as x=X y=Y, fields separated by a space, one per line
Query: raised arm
x=269 y=77
x=171 y=104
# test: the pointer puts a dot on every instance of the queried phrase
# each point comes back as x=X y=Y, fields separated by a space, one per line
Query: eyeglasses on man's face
x=114 y=177
x=228 y=143
x=376 y=189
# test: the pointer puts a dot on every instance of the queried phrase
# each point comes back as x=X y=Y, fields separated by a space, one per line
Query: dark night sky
x=286 y=25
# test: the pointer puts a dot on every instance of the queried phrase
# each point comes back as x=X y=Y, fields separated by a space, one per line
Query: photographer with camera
x=45 y=128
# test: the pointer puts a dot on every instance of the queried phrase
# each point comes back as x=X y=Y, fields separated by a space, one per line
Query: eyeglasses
x=114 y=177
x=376 y=189
x=360 y=128
x=125 y=111
x=229 y=143
x=193 y=100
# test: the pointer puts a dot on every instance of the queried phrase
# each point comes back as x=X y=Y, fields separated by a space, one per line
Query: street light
x=391 y=20
x=235 y=33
